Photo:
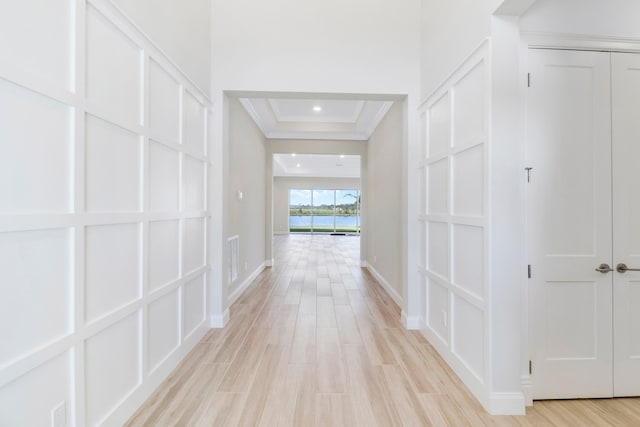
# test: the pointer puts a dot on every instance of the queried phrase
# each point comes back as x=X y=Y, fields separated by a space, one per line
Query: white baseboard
x=527 y=389
x=245 y=284
x=269 y=262
x=506 y=404
x=364 y=264
x=219 y=320
x=395 y=296
x=127 y=407
x=496 y=403
x=410 y=322
x=476 y=385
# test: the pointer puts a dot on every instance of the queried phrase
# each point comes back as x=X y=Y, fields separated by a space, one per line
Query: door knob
x=604 y=268
x=622 y=268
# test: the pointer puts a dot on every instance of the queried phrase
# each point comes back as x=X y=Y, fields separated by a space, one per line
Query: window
x=324 y=211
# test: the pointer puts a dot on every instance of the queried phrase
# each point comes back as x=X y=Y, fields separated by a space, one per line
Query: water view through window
x=324 y=211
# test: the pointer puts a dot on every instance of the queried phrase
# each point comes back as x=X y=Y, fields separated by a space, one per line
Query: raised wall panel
x=469 y=116
x=194 y=124
x=438 y=187
x=467 y=264
x=112 y=268
x=164 y=103
x=468 y=335
x=468 y=182
x=163 y=333
x=36 y=285
x=21 y=41
x=164 y=252
x=438 y=247
x=45 y=387
x=114 y=64
x=439 y=135
x=112 y=367
x=194 y=304
x=193 y=246
x=35 y=152
x=164 y=178
x=113 y=165
x=96 y=237
x=438 y=309
x=193 y=184
x=456 y=194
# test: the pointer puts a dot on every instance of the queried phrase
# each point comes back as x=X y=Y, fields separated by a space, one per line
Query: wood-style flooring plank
x=316 y=341
x=330 y=374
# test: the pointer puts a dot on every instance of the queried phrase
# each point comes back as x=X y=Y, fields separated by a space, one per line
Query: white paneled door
x=583 y=221
x=626 y=222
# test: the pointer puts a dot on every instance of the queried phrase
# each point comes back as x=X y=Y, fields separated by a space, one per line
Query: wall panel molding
x=109 y=103
x=453 y=218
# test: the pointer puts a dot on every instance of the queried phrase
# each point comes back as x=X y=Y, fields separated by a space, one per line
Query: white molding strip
x=245 y=284
x=442 y=88
x=124 y=23
x=506 y=404
x=410 y=322
x=219 y=320
x=395 y=296
x=270 y=262
x=471 y=381
x=121 y=413
x=248 y=106
x=527 y=389
x=542 y=40
x=380 y=114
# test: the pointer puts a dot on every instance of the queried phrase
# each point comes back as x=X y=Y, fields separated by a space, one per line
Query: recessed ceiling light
x=317 y=108
x=342 y=156
x=298 y=165
x=293 y=154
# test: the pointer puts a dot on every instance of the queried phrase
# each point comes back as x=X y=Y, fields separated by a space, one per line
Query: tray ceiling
x=308 y=118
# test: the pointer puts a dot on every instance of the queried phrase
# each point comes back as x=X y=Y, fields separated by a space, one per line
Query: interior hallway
x=316 y=341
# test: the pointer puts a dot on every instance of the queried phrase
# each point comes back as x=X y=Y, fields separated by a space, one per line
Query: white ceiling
x=282 y=117
x=316 y=165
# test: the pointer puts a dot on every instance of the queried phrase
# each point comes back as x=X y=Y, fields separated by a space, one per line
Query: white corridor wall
x=454 y=238
x=103 y=214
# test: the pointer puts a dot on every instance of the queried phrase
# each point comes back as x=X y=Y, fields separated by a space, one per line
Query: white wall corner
x=527 y=389
x=269 y=263
x=364 y=264
x=395 y=296
x=410 y=322
x=245 y=284
x=219 y=320
x=513 y=7
x=506 y=404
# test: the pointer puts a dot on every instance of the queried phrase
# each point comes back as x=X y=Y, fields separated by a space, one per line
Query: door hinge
x=528 y=169
x=530 y=367
x=529 y=271
x=528 y=79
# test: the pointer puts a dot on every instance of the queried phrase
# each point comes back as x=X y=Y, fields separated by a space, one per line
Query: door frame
x=555 y=41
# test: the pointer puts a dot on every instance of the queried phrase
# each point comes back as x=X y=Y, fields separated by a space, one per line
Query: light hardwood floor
x=315 y=341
